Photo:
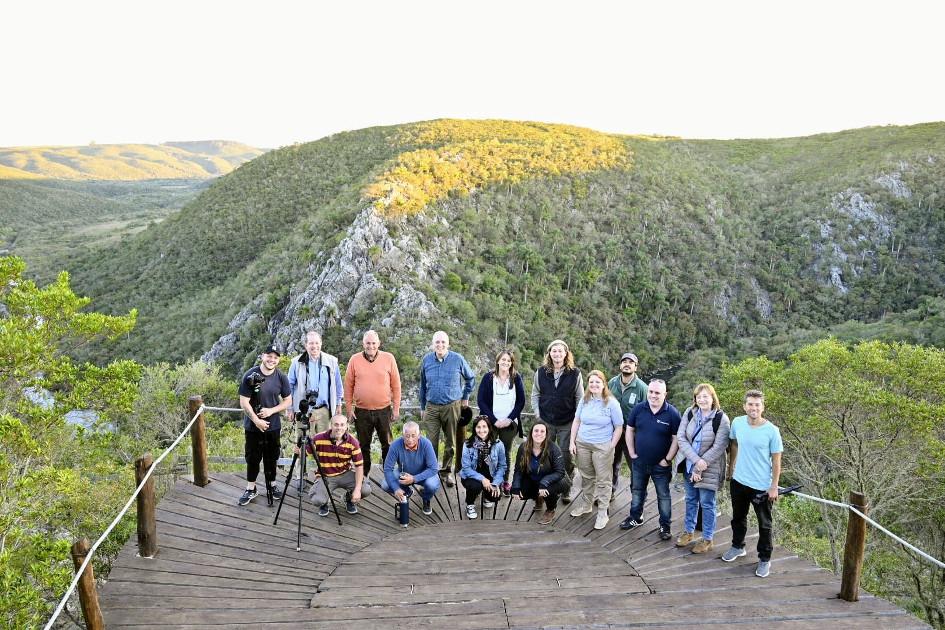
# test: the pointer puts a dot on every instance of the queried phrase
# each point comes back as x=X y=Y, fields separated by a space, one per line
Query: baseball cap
x=629 y=355
x=272 y=349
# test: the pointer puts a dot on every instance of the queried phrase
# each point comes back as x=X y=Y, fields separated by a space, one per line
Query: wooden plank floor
x=220 y=566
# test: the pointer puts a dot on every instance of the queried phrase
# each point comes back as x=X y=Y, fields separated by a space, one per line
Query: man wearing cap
x=629 y=390
x=446 y=380
x=372 y=389
x=315 y=374
x=264 y=393
x=556 y=392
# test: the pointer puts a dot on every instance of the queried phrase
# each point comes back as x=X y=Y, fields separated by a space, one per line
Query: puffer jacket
x=712 y=449
x=552 y=474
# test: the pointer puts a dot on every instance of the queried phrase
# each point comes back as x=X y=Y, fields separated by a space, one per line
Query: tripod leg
x=288 y=478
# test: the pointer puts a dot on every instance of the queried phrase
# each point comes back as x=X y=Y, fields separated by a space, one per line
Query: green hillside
x=666 y=245
x=126 y=162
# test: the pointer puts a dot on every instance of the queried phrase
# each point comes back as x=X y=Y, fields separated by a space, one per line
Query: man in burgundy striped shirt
x=342 y=465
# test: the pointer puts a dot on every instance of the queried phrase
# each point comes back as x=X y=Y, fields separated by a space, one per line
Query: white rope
x=220 y=409
x=874 y=524
x=124 y=510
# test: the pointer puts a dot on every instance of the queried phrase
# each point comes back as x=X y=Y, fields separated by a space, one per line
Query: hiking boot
x=324 y=510
x=248 y=495
x=686 y=539
x=350 y=507
x=547 y=517
x=732 y=553
x=539 y=503
x=664 y=532
x=702 y=546
x=602 y=520
x=471 y=511
x=764 y=568
x=581 y=510
x=426 y=507
x=630 y=523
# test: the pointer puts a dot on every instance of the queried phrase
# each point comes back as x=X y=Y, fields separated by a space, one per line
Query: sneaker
x=581 y=510
x=664 y=532
x=426 y=507
x=324 y=510
x=488 y=504
x=547 y=517
x=602 y=520
x=350 y=507
x=471 y=511
x=764 y=568
x=276 y=493
x=450 y=480
x=630 y=523
x=248 y=495
x=702 y=546
x=685 y=539
x=732 y=553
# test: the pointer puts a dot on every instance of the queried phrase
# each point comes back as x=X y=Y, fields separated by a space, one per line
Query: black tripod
x=300 y=445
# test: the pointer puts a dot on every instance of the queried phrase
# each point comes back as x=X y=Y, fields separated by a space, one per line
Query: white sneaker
x=602 y=520
x=581 y=510
x=471 y=512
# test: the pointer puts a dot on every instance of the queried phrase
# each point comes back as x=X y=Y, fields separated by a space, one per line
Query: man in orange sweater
x=372 y=389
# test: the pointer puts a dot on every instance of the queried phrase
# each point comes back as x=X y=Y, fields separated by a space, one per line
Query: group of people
x=592 y=428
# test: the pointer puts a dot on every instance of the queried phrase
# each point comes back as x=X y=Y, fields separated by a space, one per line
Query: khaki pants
x=595 y=462
x=442 y=419
x=345 y=480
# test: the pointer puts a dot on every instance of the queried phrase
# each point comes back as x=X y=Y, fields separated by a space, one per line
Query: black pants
x=741 y=499
x=620 y=453
x=366 y=422
x=530 y=490
x=261 y=445
x=474 y=489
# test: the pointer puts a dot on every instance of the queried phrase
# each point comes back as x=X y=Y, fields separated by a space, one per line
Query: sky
x=273 y=74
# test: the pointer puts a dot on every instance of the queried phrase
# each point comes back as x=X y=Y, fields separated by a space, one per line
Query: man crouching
x=341 y=466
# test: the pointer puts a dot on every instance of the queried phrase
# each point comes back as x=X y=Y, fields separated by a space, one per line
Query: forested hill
x=496 y=230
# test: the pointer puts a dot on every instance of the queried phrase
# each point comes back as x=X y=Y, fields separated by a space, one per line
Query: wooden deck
x=221 y=565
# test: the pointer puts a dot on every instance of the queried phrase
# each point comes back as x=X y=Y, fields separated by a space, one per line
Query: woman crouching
x=484 y=466
x=540 y=472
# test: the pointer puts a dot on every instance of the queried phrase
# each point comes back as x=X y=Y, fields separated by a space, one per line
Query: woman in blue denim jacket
x=484 y=465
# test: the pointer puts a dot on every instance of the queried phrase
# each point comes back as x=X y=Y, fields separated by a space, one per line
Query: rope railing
x=852 y=508
x=108 y=530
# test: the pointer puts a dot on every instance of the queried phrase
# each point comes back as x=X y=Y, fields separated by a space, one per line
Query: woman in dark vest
x=703 y=442
x=501 y=397
x=539 y=472
x=556 y=392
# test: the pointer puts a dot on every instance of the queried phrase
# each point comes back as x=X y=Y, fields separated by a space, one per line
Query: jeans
x=428 y=487
x=366 y=422
x=741 y=499
x=640 y=475
x=696 y=498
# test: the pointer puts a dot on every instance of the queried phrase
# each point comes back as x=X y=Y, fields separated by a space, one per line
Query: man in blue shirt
x=651 y=442
x=316 y=373
x=446 y=380
x=756 y=449
x=411 y=460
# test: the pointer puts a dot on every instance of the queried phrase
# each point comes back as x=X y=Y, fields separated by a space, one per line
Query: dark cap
x=272 y=349
x=629 y=355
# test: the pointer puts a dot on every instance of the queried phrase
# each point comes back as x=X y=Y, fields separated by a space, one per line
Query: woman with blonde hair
x=703 y=442
x=598 y=425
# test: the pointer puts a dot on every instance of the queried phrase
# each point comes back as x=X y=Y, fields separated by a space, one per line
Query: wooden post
x=198 y=443
x=88 y=596
x=854 y=550
x=147 y=526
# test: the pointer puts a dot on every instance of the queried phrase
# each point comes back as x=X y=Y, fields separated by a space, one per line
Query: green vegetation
x=869 y=419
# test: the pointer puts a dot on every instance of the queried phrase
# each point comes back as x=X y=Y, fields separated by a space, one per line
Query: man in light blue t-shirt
x=756 y=448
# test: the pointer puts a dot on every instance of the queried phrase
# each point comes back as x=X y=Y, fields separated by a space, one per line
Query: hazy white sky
x=271 y=74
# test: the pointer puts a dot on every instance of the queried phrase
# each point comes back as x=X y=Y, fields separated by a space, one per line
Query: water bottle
x=402 y=510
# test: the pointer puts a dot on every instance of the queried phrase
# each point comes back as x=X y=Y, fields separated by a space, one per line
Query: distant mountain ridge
x=126 y=162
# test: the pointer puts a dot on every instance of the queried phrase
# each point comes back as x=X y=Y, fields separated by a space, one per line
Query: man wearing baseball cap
x=264 y=394
x=629 y=390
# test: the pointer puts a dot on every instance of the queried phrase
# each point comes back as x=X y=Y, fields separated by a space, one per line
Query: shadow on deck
x=221 y=565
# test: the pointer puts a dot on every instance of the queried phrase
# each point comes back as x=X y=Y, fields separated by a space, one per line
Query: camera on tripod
x=306 y=406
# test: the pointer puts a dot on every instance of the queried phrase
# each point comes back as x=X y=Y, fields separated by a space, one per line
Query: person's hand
x=542 y=493
x=487 y=485
x=572 y=449
x=290 y=415
x=356 y=495
x=465 y=403
x=773 y=495
x=261 y=424
x=519 y=495
x=295 y=449
x=501 y=424
x=633 y=455
x=696 y=477
x=494 y=490
x=406 y=479
x=701 y=465
x=399 y=494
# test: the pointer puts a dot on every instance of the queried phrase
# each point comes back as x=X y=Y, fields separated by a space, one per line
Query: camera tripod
x=300 y=446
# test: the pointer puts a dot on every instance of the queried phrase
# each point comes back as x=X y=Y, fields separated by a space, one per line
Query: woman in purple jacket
x=501 y=397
